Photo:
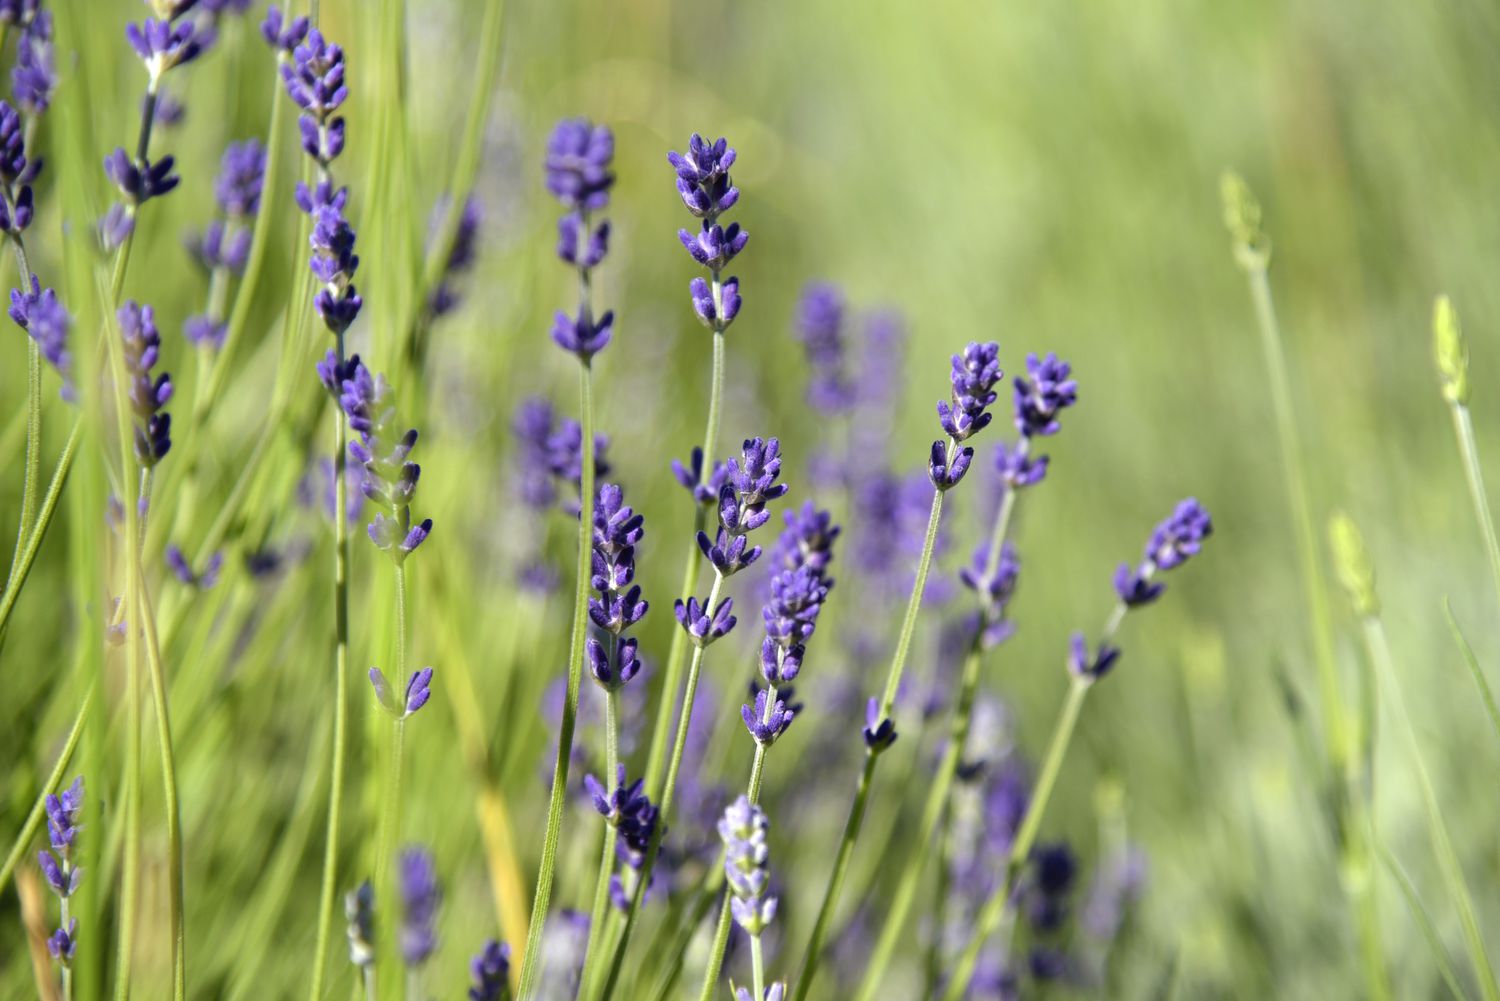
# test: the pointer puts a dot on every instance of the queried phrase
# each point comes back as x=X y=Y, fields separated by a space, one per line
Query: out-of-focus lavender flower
x=60 y=866
x=18 y=12
x=490 y=970
x=62 y=943
x=219 y=246
x=282 y=34
x=579 y=155
x=167 y=112
x=16 y=173
x=359 y=912
x=580 y=246
x=44 y=319
x=975 y=372
x=820 y=327
x=177 y=562
x=117 y=223
x=583 y=335
x=532 y=428
x=1054 y=871
x=444 y=298
x=153 y=430
x=35 y=75
x=995 y=589
x=746 y=865
x=390 y=478
x=242 y=177
x=1041 y=395
x=1172 y=542
x=333 y=260
x=564 y=940
x=319 y=490
x=565 y=459
x=223 y=247
x=164 y=44
x=704 y=183
x=797 y=593
x=418 y=691
x=880 y=730
x=140 y=182
x=417 y=884
x=704 y=490
x=1091 y=666
x=314 y=78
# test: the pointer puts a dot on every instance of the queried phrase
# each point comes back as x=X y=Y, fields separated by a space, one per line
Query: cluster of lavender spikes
x=750 y=483
x=60 y=866
x=579 y=154
x=617 y=531
x=799 y=588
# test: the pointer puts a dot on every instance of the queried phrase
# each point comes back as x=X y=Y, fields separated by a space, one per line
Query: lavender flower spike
x=16 y=173
x=491 y=973
x=39 y=313
x=746 y=869
x=973 y=377
x=579 y=155
x=418 y=691
x=707 y=191
x=417 y=884
x=153 y=431
x=35 y=76
x=60 y=866
x=1172 y=542
x=704 y=627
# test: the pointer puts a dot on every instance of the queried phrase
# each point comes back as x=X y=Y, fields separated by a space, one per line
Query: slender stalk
x=1463 y=430
x=43 y=521
x=1379 y=652
x=935 y=808
x=531 y=961
x=38 y=812
x=31 y=470
x=610 y=836
x=998 y=904
x=757 y=968
x=67 y=970
x=673 y=677
x=340 y=693
x=390 y=814
x=855 y=821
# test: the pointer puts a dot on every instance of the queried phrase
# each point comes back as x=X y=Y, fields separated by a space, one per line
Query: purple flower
x=490 y=970
x=417 y=884
x=281 y=34
x=703 y=182
x=242 y=176
x=617 y=531
x=166 y=43
x=746 y=865
x=768 y=718
x=1090 y=666
x=418 y=691
x=461 y=256
x=16 y=173
x=1054 y=872
x=1042 y=393
x=995 y=588
x=627 y=809
x=35 y=76
x=880 y=731
x=715 y=246
x=18 y=12
x=390 y=478
x=584 y=336
x=703 y=176
x=177 y=562
x=579 y=154
x=153 y=431
x=117 y=223
x=1017 y=466
x=713 y=313
x=704 y=627
x=220 y=247
x=59 y=866
x=565 y=459
x=580 y=244
x=1172 y=542
x=820 y=327
x=974 y=375
x=39 y=313
x=314 y=76
x=140 y=181
x=704 y=491
x=62 y=943
x=945 y=473
x=532 y=427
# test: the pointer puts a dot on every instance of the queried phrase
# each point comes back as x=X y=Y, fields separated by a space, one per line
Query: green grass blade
x=1475 y=671
x=1424 y=924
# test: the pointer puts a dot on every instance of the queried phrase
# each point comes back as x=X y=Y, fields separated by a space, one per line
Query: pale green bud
x=1351 y=560
x=1242 y=216
x=1451 y=351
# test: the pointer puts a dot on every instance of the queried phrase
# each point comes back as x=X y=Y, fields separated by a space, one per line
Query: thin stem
x=340 y=706
x=757 y=968
x=532 y=959
x=43 y=521
x=998 y=904
x=1463 y=430
x=38 y=812
x=390 y=814
x=1379 y=652
x=913 y=604
x=856 y=817
x=169 y=790
x=610 y=837
x=32 y=468
x=67 y=968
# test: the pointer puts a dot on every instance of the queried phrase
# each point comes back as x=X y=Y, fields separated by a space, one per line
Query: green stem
x=390 y=820
x=757 y=968
x=43 y=521
x=856 y=817
x=531 y=958
x=31 y=470
x=610 y=836
x=1380 y=655
x=67 y=967
x=937 y=797
x=914 y=603
x=673 y=676
x=340 y=707
x=38 y=812
x=1463 y=430
x=997 y=906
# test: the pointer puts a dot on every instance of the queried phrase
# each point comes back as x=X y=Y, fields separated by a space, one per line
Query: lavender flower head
x=1172 y=542
x=973 y=377
x=390 y=478
x=314 y=79
x=153 y=430
x=704 y=489
x=35 y=75
x=60 y=867
x=490 y=970
x=617 y=531
x=628 y=810
x=333 y=260
x=242 y=177
x=820 y=327
x=1041 y=395
x=579 y=155
x=16 y=173
x=281 y=34
x=746 y=865
x=880 y=729
x=995 y=588
x=418 y=690
x=44 y=319
x=224 y=245
x=707 y=191
x=18 y=12
x=417 y=884
x=166 y=43
x=565 y=459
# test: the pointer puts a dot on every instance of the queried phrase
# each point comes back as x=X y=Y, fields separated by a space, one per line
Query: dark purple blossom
x=565 y=459
x=35 y=75
x=945 y=472
x=242 y=177
x=220 y=246
x=163 y=44
x=18 y=12
x=390 y=477
x=59 y=866
x=1017 y=466
x=417 y=885
x=16 y=173
x=768 y=718
x=1090 y=666
x=1042 y=393
x=62 y=943
x=44 y=319
x=153 y=430
x=744 y=829
x=579 y=155
x=140 y=181
x=282 y=34
x=995 y=588
x=617 y=531
x=974 y=375
x=114 y=227
x=418 y=691
x=627 y=809
x=704 y=491
x=490 y=971
x=703 y=177
x=359 y=912
x=583 y=335
x=880 y=731
x=1172 y=542
x=714 y=313
x=704 y=627
x=704 y=183
x=314 y=76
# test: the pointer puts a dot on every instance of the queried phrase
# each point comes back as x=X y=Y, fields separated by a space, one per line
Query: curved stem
x=38 y=812
x=340 y=705
x=531 y=961
x=1463 y=430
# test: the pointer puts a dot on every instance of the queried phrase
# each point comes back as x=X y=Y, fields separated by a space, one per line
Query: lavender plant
x=63 y=874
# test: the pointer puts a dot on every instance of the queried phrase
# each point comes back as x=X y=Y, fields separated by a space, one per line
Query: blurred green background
x=1041 y=174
